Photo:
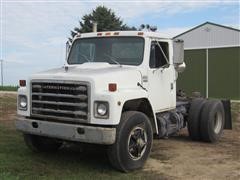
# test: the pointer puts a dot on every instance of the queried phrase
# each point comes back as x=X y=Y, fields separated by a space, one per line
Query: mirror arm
x=163 y=52
x=67 y=49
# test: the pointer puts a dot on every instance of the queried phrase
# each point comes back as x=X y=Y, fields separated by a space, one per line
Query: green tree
x=106 y=21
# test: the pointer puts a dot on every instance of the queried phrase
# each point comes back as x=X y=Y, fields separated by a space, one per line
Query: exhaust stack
x=94 y=27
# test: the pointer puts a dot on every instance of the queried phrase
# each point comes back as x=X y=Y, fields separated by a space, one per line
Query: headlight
x=22 y=102
x=101 y=109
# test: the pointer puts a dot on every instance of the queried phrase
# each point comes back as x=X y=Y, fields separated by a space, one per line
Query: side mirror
x=180 y=67
x=178 y=55
x=178 y=51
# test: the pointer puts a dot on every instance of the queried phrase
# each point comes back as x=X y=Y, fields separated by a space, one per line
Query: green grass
x=8 y=88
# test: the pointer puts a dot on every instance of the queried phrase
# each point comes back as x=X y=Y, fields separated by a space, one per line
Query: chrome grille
x=60 y=101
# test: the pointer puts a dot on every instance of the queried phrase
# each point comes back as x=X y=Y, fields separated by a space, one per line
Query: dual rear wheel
x=206 y=120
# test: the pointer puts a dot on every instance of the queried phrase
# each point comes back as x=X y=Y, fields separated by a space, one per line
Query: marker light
x=78 y=35
x=112 y=87
x=22 y=83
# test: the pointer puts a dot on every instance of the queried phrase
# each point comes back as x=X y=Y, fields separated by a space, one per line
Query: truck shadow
x=181 y=137
x=77 y=156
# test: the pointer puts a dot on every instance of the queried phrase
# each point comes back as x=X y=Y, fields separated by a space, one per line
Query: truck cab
x=117 y=89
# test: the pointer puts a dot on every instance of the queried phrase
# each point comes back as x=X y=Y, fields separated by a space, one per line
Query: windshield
x=113 y=50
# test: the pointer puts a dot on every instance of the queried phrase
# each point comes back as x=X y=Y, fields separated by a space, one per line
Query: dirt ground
x=7 y=107
x=180 y=158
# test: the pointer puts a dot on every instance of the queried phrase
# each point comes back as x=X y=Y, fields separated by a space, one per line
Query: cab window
x=159 y=55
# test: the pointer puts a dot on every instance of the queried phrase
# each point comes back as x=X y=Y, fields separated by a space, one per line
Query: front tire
x=41 y=144
x=133 y=142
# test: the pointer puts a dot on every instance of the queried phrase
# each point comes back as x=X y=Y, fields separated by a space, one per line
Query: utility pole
x=1 y=60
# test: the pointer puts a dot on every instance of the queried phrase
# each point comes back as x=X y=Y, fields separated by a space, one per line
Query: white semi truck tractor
x=116 y=89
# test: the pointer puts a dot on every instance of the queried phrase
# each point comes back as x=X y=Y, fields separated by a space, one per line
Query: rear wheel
x=212 y=121
x=133 y=142
x=41 y=144
x=194 y=118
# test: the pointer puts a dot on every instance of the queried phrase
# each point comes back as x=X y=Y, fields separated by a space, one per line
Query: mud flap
x=228 y=116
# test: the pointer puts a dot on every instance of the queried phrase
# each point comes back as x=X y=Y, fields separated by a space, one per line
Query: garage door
x=224 y=75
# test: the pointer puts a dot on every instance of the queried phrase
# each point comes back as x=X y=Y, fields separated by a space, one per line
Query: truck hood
x=98 y=74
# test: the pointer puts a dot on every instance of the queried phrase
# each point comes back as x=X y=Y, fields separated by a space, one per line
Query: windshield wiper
x=113 y=59
x=85 y=57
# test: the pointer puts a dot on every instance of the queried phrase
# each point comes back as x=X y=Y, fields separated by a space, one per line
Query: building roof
x=211 y=23
x=210 y=35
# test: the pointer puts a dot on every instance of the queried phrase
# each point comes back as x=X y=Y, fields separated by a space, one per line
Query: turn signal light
x=112 y=87
x=22 y=83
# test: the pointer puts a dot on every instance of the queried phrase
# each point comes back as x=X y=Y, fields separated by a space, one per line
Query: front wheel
x=133 y=142
x=41 y=144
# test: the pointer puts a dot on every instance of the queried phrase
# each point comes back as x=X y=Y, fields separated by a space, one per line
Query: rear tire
x=194 y=118
x=133 y=142
x=41 y=144
x=212 y=121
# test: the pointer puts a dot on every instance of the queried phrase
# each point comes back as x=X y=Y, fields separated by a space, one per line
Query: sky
x=33 y=33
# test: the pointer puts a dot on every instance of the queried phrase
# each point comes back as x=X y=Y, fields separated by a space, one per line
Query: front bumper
x=71 y=132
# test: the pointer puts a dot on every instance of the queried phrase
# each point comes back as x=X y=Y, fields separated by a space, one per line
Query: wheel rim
x=218 y=122
x=137 y=143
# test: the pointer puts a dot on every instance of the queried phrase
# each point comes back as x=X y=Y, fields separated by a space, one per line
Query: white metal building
x=212 y=55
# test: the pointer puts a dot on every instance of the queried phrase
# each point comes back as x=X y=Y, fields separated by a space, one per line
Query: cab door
x=161 y=76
